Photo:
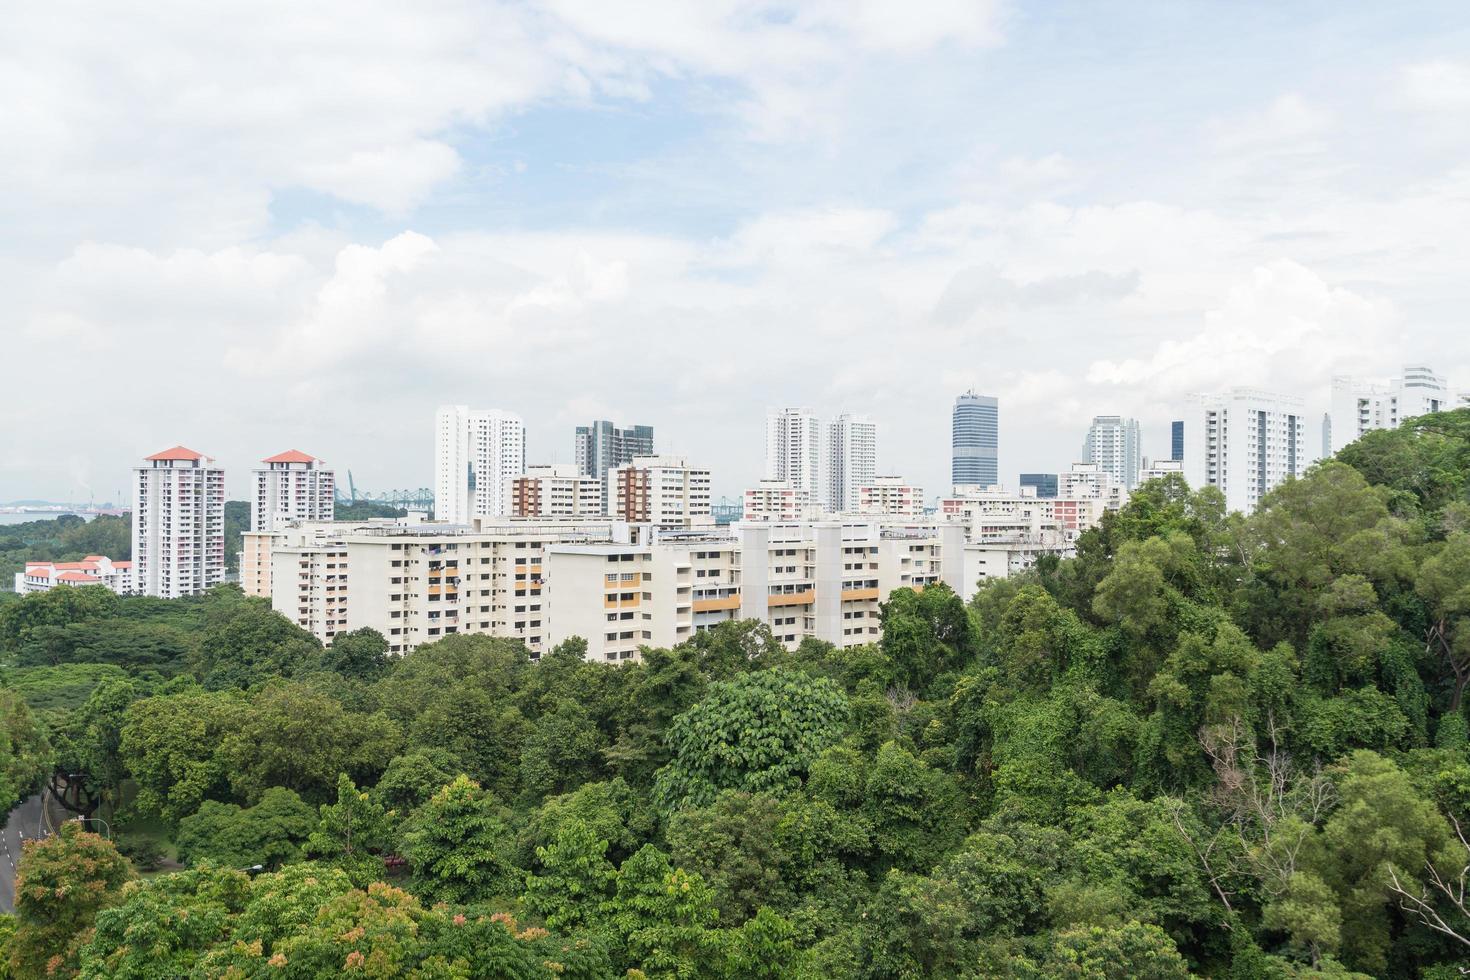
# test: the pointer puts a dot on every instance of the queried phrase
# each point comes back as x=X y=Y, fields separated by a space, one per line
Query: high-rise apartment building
x=1246 y=442
x=555 y=491
x=603 y=446
x=475 y=455
x=1176 y=439
x=975 y=441
x=795 y=453
x=852 y=459
x=1045 y=484
x=178 y=524
x=775 y=500
x=661 y=490
x=1360 y=406
x=291 y=487
x=1112 y=444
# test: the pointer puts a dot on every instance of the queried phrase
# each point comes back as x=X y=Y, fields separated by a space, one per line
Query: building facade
x=852 y=460
x=556 y=491
x=603 y=446
x=42 y=576
x=1045 y=484
x=475 y=455
x=292 y=486
x=975 y=441
x=664 y=491
x=1112 y=444
x=1160 y=468
x=890 y=496
x=1360 y=406
x=1246 y=442
x=178 y=533
x=776 y=500
x=795 y=452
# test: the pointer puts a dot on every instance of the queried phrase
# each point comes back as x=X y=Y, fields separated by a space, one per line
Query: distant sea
x=49 y=516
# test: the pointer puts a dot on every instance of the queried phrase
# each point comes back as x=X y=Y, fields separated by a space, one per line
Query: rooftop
x=177 y=452
x=291 y=456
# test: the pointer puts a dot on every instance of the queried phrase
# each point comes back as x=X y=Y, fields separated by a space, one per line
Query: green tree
x=269 y=833
x=61 y=884
x=352 y=832
x=360 y=653
x=1134 y=951
x=459 y=846
x=170 y=743
x=925 y=633
x=247 y=642
x=25 y=755
x=562 y=751
x=735 y=844
x=759 y=732
x=575 y=880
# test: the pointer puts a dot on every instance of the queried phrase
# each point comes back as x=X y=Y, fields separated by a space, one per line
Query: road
x=24 y=824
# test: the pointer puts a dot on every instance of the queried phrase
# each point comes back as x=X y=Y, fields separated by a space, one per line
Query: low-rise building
x=777 y=500
x=42 y=576
x=890 y=496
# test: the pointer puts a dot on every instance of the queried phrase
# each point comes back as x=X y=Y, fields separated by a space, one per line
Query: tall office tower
x=1112 y=445
x=475 y=455
x=1245 y=442
x=1326 y=435
x=1044 y=483
x=178 y=524
x=795 y=453
x=1360 y=406
x=292 y=487
x=1176 y=439
x=975 y=441
x=852 y=459
x=661 y=490
x=602 y=446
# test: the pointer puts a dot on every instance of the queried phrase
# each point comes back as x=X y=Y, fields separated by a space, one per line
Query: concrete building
x=475 y=455
x=178 y=517
x=795 y=453
x=1112 y=445
x=890 y=496
x=852 y=459
x=1045 y=484
x=1159 y=469
x=975 y=441
x=42 y=576
x=776 y=500
x=1246 y=442
x=664 y=491
x=1360 y=406
x=1088 y=481
x=556 y=491
x=292 y=486
x=603 y=446
x=819 y=579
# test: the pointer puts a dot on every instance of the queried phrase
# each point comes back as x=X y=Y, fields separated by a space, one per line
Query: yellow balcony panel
x=793 y=599
x=854 y=595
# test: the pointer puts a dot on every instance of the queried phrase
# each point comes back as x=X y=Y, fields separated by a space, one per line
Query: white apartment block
x=1113 y=445
x=819 y=579
x=178 y=524
x=795 y=452
x=42 y=576
x=555 y=491
x=777 y=500
x=890 y=496
x=1160 y=468
x=475 y=455
x=1088 y=481
x=852 y=460
x=292 y=487
x=1360 y=406
x=1246 y=442
x=664 y=491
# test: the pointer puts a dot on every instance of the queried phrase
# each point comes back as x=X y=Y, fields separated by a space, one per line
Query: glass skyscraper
x=975 y=441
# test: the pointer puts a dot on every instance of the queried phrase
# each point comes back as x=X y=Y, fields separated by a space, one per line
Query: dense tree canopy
x=1210 y=744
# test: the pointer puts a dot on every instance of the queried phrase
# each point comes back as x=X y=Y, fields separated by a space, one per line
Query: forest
x=1209 y=745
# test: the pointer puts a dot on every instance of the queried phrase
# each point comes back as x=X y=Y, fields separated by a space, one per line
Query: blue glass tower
x=1176 y=431
x=975 y=441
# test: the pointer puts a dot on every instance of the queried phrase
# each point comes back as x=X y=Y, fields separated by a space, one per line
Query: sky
x=252 y=226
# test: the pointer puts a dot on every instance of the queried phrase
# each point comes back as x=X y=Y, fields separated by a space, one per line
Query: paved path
x=23 y=824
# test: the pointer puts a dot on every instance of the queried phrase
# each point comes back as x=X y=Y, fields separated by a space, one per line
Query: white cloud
x=1438 y=84
x=1289 y=119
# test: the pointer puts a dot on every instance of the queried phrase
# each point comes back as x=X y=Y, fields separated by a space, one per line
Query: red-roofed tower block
x=178 y=524
x=290 y=487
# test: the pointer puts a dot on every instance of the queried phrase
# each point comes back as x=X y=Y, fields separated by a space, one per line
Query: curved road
x=24 y=823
